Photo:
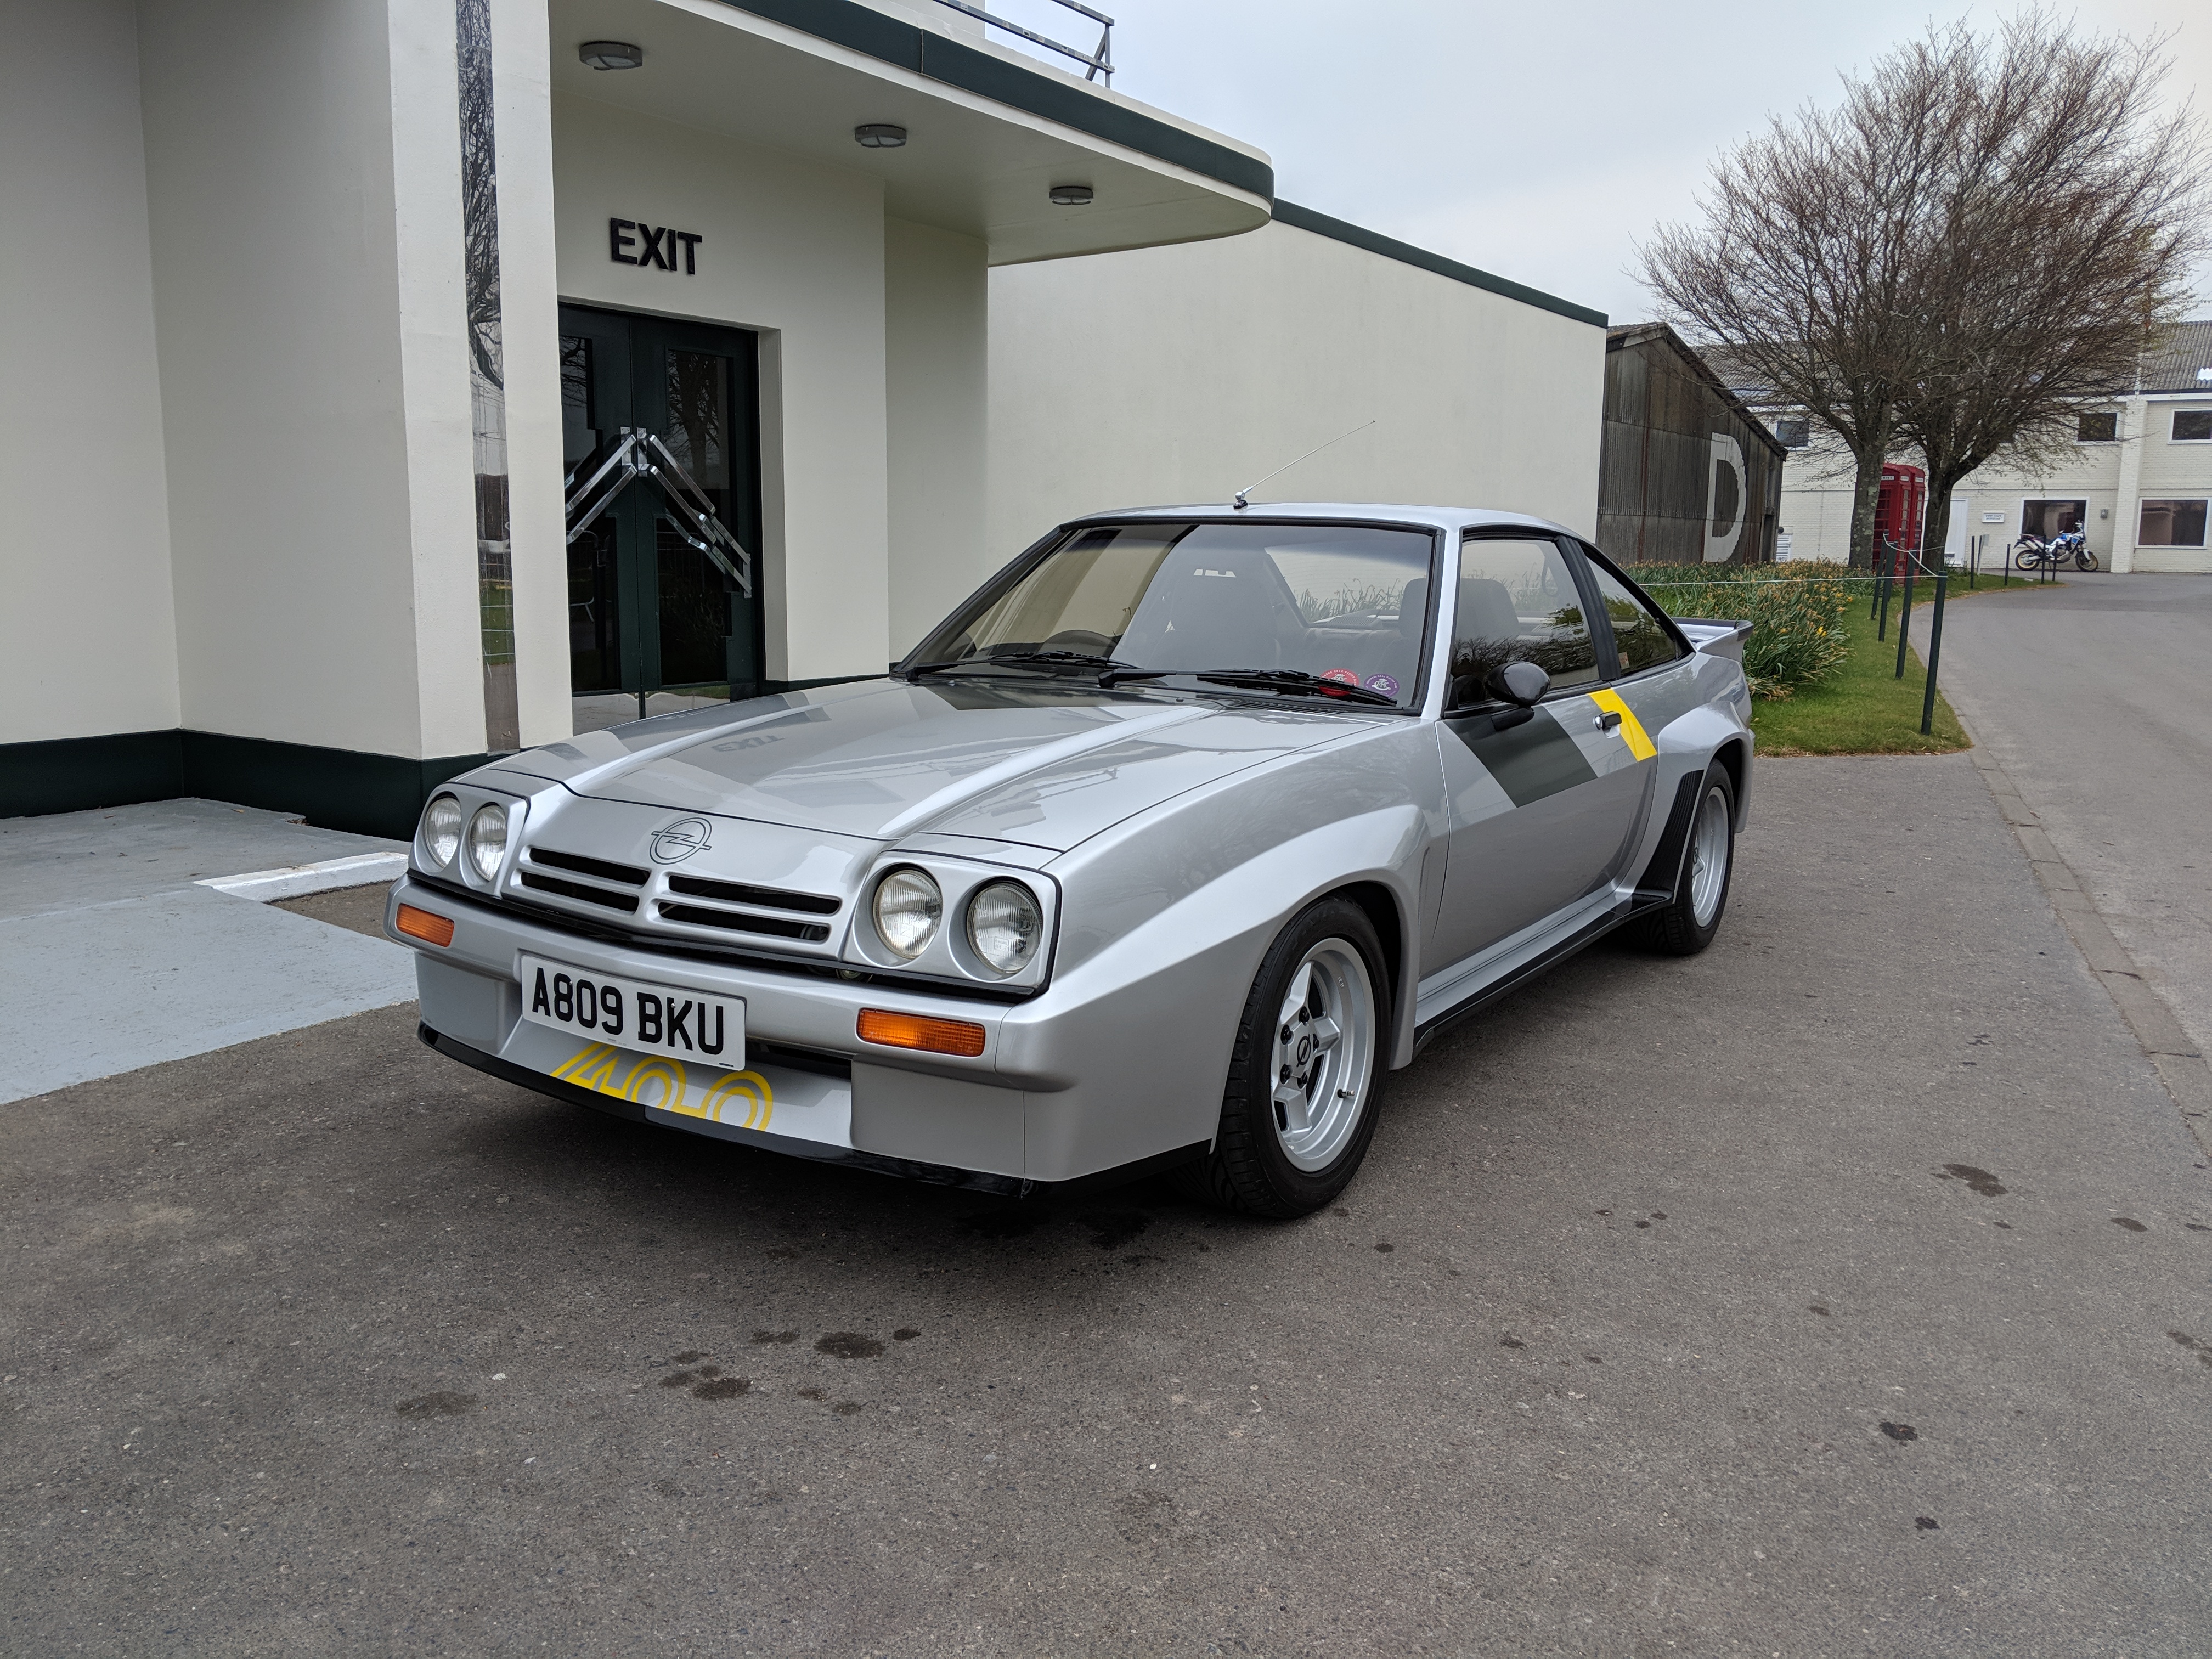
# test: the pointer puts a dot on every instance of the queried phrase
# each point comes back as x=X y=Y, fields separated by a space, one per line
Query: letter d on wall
x=1723 y=501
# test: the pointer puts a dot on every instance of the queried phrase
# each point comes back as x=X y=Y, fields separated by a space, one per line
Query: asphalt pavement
x=1846 y=1290
x=2093 y=696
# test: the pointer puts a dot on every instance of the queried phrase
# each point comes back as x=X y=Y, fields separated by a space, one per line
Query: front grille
x=599 y=869
x=771 y=899
x=625 y=903
x=775 y=926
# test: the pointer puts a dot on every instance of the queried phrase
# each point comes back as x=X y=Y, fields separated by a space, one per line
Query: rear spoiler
x=1714 y=638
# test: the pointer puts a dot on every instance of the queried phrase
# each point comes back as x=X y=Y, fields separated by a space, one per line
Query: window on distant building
x=2192 y=426
x=1795 y=431
x=2171 y=524
x=2102 y=427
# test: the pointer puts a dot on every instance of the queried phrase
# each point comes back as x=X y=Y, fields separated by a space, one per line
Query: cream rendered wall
x=2176 y=470
x=795 y=250
x=530 y=302
x=936 y=337
x=1179 y=373
x=304 y=189
x=87 y=642
x=1817 y=488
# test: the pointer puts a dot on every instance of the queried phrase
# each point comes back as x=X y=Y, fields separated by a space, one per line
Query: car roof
x=1424 y=517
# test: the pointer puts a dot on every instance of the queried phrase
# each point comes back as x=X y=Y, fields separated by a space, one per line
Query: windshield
x=1334 y=603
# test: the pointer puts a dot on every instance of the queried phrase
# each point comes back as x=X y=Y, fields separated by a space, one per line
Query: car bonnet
x=888 y=760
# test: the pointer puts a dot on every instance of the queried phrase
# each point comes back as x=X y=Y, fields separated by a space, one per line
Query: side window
x=1641 y=638
x=1518 y=603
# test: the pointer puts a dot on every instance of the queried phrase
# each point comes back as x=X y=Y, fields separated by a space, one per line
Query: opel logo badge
x=672 y=843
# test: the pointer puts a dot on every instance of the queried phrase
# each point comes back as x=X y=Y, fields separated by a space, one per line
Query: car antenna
x=1239 y=497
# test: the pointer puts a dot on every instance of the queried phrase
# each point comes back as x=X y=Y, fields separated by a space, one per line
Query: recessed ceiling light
x=879 y=135
x=611 y=54
x=1071 y=196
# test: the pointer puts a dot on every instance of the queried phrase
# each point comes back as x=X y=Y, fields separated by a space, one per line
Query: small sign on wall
x=1992 y=518
x=630 y=242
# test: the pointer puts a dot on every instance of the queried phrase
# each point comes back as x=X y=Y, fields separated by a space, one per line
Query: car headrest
x=1413 y=606
x=1487 y=610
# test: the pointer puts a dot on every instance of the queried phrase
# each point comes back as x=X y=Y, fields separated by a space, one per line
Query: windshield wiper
x=1069 y=659
x=1046 y=660
x=1261 y=680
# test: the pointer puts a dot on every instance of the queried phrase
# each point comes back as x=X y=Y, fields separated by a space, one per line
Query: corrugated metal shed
x=1687 y=473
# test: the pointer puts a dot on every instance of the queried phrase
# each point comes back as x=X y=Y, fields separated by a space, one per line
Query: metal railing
x=1096 y=62
x=1904 y=566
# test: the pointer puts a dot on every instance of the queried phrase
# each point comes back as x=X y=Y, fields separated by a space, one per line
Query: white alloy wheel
x=1709 y=847
x=1323 y=1055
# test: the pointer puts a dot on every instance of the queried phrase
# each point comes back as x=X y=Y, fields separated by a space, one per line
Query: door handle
x=1608 y=721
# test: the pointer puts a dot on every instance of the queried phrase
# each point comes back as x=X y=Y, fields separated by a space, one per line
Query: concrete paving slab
x=1846 y=1290
x=114 y=956
x=71 y=859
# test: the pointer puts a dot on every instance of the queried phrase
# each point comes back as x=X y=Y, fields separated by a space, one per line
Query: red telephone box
x=1900 y=511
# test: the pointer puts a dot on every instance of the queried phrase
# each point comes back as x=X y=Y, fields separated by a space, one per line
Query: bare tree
x=2072 y=215
x=1804 y=269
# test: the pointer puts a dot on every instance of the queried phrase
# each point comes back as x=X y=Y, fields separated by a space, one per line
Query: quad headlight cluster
x=1002 y=922
x=449 y=832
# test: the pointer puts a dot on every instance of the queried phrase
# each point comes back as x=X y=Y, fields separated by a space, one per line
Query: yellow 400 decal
x=742 y=1099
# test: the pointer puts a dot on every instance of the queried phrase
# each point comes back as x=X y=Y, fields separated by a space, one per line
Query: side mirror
x=1522 y=684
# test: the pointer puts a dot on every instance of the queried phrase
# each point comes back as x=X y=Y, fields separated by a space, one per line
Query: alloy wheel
x=1324 y=1046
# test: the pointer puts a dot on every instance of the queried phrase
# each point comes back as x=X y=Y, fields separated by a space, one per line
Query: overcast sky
x=1538 y=140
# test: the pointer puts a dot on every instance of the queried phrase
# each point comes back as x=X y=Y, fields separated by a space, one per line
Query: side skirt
x=934 y=1175
x=1514 y=978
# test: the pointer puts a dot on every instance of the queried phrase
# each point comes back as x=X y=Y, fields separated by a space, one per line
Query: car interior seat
x=1220 y=617
x=1486 y=611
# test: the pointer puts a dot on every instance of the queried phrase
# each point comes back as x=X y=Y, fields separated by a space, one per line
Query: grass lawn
x=1864 y=710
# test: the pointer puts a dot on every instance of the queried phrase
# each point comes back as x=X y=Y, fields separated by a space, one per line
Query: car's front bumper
x=1074 y=1083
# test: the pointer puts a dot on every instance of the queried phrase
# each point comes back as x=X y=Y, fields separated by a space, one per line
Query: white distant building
x=312 y=309
x=2138 y=477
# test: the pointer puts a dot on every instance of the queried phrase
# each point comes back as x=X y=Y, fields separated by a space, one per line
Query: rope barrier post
x=1882 y=587
x=1934 y=656
x=1903 y=622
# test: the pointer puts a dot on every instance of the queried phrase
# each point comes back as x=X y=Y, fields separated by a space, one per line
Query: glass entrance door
x=654 y=623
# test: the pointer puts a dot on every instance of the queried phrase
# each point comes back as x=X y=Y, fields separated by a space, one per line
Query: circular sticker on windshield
x=1383 y=683
x=1342 y=677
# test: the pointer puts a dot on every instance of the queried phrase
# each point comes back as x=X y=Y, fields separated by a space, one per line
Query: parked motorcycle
x=2031 y=552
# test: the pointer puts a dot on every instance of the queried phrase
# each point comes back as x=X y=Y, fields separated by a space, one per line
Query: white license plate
x=654 y=1019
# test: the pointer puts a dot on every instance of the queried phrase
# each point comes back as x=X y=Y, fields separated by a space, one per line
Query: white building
x=2138 y=477
x=312 y=308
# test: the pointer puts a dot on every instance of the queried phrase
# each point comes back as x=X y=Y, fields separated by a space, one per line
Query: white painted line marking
x=293 y=880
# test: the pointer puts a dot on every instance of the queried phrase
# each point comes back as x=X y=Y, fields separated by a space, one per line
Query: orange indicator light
x=421 y=924
x=936 y=1036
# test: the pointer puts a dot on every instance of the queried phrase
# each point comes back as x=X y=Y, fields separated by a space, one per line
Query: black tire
x=2085 y=559
x=1249 y=1167
x=1678 y=930
x=2028 y=559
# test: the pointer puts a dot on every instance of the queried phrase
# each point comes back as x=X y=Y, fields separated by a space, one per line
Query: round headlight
x=488 y=840
x=441 y=829
x=909 y=907
x=1003 y=926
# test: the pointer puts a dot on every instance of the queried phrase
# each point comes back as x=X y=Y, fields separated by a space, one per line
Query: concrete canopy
x=973 y=164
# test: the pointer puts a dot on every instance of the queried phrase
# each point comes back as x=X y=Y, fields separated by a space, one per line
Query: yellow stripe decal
x=1639 y=742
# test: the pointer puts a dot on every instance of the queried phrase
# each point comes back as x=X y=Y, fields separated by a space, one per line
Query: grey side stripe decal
x=1529 y=761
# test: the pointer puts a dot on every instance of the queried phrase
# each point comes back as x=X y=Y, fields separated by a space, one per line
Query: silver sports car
x=1158 y=855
